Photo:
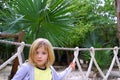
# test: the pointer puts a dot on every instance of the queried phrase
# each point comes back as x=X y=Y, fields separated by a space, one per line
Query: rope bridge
x=84 y=76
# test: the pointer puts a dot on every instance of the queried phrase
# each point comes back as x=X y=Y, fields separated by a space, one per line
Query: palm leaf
x=45 y=18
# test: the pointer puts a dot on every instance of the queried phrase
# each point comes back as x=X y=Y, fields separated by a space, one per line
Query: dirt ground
x=4 y=73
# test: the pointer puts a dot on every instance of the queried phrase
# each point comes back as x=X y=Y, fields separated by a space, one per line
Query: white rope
x=56 y=48
x=95 y=62
x=19 y=50
x=19 y=54
x=115 y=51
x=14 y=43
x=75 y=52
x=117 y=60
x=78 y=64
x=90 y=66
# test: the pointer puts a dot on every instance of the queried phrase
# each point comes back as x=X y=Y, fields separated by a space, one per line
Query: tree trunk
x=117 y=3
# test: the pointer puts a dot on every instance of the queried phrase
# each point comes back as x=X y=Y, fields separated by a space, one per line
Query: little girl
x=39 y=65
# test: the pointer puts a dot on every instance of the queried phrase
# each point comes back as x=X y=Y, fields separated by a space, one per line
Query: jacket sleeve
x=64 y=73
x=61 y=75
x=22 y=72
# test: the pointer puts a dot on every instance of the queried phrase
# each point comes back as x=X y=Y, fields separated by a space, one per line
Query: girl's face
x=41 y=57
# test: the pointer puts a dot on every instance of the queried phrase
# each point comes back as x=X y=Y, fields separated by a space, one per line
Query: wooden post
x=17 y=38
x=117 y=3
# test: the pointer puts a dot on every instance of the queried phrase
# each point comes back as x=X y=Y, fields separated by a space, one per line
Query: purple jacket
x=26 y=72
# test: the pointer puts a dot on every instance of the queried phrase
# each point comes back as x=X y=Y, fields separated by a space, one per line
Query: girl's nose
x=39 y=55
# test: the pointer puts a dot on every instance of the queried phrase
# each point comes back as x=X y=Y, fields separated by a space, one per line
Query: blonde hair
x=48 y=47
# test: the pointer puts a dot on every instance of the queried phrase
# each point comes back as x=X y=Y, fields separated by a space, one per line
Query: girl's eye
x=44 y=53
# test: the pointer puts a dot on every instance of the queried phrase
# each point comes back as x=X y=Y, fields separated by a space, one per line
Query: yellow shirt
x=42 y=74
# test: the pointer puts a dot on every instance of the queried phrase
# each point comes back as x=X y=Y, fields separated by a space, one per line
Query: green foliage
x=6 y=51
x=50 y=19
x=78 y=34
x=97 y=12
x=103 y=57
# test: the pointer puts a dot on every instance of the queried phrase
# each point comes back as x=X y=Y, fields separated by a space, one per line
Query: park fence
x=84 y=75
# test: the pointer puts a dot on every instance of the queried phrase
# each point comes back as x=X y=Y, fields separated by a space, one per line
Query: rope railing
x=84 y=76
x=19 y=51
x=56 y=48
x=14 y=43
x=93 y=60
